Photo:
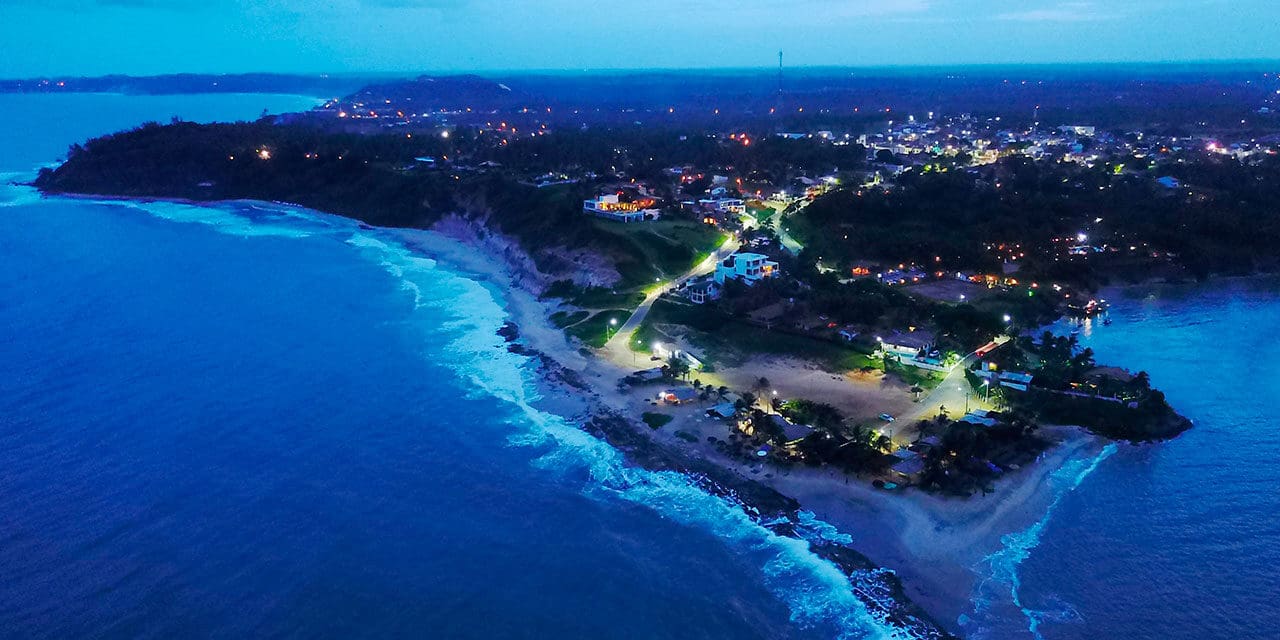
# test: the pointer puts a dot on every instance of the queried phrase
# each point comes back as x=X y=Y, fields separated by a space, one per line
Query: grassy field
x=950 y=290
x=593 y=330
x=659 y=249
x=728 y=342
x=594 y=297
x=564 y=319
x=924 y=378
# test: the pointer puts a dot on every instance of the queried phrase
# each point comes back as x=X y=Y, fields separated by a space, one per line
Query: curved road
x=617 y=348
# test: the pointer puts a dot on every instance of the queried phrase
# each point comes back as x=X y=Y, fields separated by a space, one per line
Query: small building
x=723 y=411
x=723 y=205
x=905 y=454
x=702 y=292
x=1015 y=380
x=908 y=469
x=979 y=417
x=1169 y=182
x=649 y=375
x=748 y=268
x=907 y=345
x=678 y=395
x=792 y=433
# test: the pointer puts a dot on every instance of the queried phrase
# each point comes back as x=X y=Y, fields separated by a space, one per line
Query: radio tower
x=779 y=77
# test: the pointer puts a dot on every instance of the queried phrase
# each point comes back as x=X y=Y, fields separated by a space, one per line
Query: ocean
x=1179 y=539
x=252 y=420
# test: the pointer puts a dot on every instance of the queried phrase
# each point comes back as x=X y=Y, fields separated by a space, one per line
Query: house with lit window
x=749 y=268
x=612 y=207
x=723 y=205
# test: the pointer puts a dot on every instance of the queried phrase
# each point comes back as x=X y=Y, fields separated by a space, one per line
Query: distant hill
x=319 y=85
x=1102 y=95
x=442 y=92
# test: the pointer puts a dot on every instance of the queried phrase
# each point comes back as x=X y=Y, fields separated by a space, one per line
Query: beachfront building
x=612 y=207
x=748 y=268
x=792 y=433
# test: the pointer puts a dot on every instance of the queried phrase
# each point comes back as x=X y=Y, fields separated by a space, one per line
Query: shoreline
x=930 y=544
x=909 y=555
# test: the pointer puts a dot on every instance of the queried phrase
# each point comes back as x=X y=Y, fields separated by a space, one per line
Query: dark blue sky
x=157 y=36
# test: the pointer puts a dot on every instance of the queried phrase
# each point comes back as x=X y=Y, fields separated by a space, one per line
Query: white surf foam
x=16 y=195
x=225 y=218
x=816 y=591
x=1001 y=568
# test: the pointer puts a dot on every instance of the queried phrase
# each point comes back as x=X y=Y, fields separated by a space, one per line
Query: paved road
x=617 y=348
x=953 y=392
x=789 y=243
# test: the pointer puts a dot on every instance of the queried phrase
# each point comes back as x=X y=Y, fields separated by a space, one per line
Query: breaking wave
x=1002 y=583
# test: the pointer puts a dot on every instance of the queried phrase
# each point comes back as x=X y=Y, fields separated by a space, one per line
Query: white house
x=609 y=206
x=702 y=292
x=750 y=268
x=723 y=205
x=907 y=345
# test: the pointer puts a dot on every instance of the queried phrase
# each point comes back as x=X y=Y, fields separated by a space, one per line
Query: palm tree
x=677 y=367
x=761 y=385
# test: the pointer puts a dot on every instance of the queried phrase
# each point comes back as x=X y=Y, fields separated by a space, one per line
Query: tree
x=761 y=387
x=677 y=367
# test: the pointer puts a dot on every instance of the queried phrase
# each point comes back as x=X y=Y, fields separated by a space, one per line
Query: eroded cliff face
x=535 y=269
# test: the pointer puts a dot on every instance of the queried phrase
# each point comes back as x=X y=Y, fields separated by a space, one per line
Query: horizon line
x=638 y=70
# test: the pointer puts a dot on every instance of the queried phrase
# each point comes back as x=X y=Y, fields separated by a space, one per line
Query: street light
x=986 y=384
x=613 y=323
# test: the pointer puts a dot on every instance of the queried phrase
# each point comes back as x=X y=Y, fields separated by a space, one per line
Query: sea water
x=249 y=420
x=1179 y=539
